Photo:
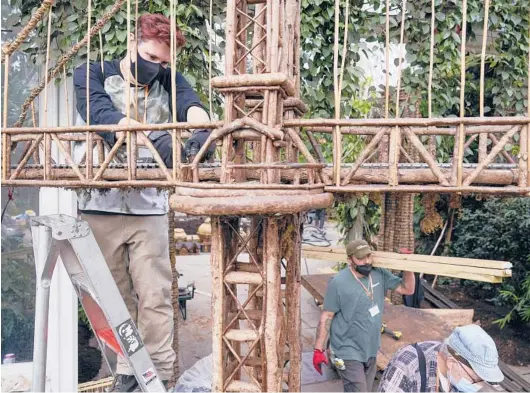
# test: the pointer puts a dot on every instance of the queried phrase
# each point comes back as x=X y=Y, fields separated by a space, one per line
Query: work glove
x=404 y=250
x=195 y=143
x=319 y=357
x=163 y=143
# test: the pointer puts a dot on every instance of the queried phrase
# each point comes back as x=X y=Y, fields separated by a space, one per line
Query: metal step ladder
x=72 y=240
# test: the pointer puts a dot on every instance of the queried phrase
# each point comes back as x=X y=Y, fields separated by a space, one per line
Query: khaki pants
x=136 y=251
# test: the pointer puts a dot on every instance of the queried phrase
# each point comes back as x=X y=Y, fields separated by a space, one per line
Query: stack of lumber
x=465 y=268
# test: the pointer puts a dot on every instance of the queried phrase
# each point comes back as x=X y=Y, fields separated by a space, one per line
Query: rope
x=9 y=199
x=47 y=80
x=52 y=72
x=9 y=48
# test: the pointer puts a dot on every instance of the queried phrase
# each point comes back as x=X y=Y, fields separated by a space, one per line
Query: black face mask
x=147 y=70
x=364 y=269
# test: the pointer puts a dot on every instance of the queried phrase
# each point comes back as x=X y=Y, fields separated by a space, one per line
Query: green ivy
x=506 y=65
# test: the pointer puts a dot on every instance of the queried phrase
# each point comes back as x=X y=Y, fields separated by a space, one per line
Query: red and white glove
x=405 y=250
x=319 y=357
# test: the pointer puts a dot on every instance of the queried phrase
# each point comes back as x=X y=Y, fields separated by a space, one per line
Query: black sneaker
x=123 y=383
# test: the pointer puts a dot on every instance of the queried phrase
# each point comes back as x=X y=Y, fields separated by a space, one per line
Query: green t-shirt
x=355 y=333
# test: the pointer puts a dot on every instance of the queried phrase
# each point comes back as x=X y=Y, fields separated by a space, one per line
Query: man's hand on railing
x=125 y=122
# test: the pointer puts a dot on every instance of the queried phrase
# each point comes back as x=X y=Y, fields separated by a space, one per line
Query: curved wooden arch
x=245 y=122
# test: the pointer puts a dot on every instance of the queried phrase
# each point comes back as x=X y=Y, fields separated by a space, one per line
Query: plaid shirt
x=403 y=372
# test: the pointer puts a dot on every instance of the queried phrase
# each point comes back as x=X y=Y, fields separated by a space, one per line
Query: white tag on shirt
x=374 y=311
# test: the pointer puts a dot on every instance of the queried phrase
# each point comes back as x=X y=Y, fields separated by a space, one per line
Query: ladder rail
x=72 y=240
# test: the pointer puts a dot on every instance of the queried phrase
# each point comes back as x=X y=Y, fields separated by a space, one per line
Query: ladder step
x=241 y=335
x=246 y=267
x=240 y=386
x=253 y=361
x=81 y=280
x=243 y=278
x=255 y=315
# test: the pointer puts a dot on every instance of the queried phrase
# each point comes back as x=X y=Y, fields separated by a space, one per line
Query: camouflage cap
x=358 y=248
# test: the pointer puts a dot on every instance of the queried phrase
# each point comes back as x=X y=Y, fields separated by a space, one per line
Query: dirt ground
x=513 y=343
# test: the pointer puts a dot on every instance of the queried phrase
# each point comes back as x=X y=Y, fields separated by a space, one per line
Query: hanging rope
x=9 y=199
x=47 y=80
x=52 y=72
x=10 y=47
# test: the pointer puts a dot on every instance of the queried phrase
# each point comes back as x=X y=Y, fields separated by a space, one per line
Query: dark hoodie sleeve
x=102 y=110
x=186 y=96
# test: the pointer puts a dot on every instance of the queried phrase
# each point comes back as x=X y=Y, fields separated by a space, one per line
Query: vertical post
x=271 y=262
x=523 y=157
x=6 y=148
x=458 y=157
x=395 y=133
x=483 y=138
x=89 y=135
x=294 y=319
x=432 y=138
x=42 y=240
x=393 y=155
x=528 y=115
x=337 y=136
x=218 y=304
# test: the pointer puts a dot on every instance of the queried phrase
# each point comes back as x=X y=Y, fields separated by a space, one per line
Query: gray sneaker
x=123 y=383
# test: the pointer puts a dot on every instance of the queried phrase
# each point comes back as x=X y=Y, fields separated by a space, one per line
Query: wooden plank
x=241 y=335
x=485 y=263
x=438 y=296
x=316 y=285
x=457 y=271
x=516 y=378
x=453 y=317
x=241 y=277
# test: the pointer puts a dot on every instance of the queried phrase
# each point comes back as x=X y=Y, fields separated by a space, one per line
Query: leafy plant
x=359 y=210
x=495 y=230
x=521 y=308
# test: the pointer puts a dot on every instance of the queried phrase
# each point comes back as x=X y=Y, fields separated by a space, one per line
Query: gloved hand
x=163 y=143
x=319 y=357
x=194 y=145
x=404 y=250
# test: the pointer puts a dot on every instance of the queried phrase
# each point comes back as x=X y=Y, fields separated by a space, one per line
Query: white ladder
x=72 y=240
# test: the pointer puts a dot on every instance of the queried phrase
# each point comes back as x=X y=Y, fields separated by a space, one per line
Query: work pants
x=137 y=253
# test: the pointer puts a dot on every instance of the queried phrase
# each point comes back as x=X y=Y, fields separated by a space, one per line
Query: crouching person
x=465 y=362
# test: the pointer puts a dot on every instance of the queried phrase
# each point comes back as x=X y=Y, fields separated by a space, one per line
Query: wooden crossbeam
x=489 y=158
x=364 y=154
x=430 y=161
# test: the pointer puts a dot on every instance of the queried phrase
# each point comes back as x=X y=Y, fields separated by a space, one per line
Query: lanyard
x=134 y=101
x=369 y=293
